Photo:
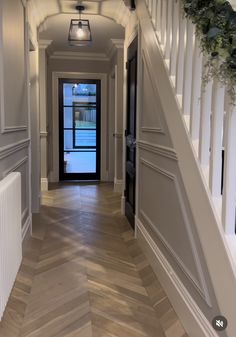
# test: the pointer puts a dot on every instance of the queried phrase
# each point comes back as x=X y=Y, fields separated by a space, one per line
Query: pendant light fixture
x=79 y=32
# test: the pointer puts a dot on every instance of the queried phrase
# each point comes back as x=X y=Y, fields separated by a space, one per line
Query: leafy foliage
x=215 y=22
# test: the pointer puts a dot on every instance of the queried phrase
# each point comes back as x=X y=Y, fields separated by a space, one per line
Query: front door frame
x=54 y=123
x=85 y=175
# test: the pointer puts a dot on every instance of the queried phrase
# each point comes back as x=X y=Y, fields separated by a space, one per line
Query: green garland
x=215 y=22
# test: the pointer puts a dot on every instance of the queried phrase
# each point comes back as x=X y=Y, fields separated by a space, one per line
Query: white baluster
x=175 y=36
x=163 y=22
x=188 y=68
x=229 y=189
x=169 y=29
x=196 y=91
x=154 y=12
x=150 y=6
x=180 y=57
x=158 y=21
x=218 y=96
x=205 y=125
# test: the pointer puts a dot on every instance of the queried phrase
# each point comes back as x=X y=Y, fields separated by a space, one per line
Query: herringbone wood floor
x=83 y=274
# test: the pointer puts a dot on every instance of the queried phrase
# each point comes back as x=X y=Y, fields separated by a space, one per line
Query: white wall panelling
x=177 y=228
x=194 y=321
x=14 y=98
x=13 y=65
x=203 y=132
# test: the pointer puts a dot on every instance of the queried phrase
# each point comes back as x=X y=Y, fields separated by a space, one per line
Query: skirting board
x=192 y=318
x=118 y=186
x=44 y=184
x=27 y=227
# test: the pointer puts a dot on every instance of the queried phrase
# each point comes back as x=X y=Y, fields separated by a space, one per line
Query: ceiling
x=53 y=19
x=102 y=28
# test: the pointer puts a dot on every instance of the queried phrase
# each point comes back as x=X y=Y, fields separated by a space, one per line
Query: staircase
x=195 y=128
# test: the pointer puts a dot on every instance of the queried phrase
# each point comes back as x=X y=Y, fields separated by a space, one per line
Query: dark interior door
x=131 y=131
x=79 y=142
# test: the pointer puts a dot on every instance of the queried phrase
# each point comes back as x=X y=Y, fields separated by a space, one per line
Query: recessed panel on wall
x=150 y=112
x=152 y=126
x=162 y=208
x=13 y=65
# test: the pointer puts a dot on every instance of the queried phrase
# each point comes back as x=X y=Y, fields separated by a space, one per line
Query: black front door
x=79 y=143
x=131 y=131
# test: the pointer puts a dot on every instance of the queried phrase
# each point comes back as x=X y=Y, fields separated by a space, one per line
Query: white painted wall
x=14 y=97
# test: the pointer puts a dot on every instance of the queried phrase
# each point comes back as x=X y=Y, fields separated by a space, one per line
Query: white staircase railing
x=209 y=117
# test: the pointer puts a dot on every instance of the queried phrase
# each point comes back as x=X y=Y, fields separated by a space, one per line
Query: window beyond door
x=79 y=129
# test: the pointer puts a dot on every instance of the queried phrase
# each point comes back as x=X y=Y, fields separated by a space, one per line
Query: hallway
x=84 y=275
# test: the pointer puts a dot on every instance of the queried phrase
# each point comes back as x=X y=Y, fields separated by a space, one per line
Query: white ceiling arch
x=42 y=10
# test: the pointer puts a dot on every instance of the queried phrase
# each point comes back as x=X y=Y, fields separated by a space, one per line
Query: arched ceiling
x=44 y=9
x=106 y=20
x=103 y=30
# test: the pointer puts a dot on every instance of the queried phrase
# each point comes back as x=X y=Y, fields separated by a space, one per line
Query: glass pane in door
x=81 y=110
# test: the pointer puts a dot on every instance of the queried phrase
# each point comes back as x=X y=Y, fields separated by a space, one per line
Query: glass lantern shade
x=79 y=32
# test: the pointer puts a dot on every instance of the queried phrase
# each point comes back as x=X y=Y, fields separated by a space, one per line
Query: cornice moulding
x=118 y=43
x=79 y=56
x=43 y=44
x=113 y=46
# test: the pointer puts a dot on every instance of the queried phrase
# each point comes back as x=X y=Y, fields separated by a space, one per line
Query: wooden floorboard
x=84 y=275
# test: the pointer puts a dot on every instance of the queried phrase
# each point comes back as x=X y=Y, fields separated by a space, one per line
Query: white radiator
x=10 y=235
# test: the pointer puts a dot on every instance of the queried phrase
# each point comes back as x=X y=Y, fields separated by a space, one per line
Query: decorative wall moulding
x=200 y=284
x=158 y=126
x=8 y=129
x=158 y=149
x=152 y=130
x=8 y=150
x=114 y=44
x=192 y=317
x=79 y=56
x=43 y=44
x=15 y=166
